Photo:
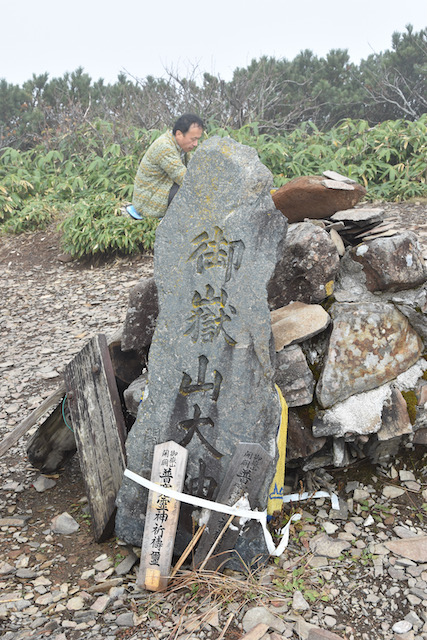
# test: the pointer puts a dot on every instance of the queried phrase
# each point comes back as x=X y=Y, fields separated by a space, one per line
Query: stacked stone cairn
x=349 y=320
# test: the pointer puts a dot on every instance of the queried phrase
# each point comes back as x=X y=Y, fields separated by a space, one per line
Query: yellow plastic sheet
x=275 y=495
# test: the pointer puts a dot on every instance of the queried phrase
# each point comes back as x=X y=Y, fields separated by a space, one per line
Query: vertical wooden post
x=99 y=429
x=168 y=470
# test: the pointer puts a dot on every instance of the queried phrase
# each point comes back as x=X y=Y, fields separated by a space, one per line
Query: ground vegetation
x=70 y=147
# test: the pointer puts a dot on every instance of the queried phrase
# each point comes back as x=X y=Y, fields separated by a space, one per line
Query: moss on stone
x=411 y=403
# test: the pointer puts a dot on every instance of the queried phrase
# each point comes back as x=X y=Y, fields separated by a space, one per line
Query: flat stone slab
x=359 y=216
x=297 y=322
x=413 y=548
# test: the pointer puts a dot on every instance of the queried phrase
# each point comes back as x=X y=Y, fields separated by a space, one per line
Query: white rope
x=237 y=510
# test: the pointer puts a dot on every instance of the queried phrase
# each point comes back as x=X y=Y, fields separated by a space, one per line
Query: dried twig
x=227 y=624
x=215 y=544
x=187 y=550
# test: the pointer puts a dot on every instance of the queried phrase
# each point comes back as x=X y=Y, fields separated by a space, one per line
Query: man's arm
x=171 y=164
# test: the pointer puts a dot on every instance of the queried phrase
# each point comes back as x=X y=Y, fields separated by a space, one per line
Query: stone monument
x=210 y=372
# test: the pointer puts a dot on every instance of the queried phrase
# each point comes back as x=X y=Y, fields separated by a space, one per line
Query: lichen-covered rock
x=391 y=264
x=210 y=370
x=307 y=269
x=371 y=343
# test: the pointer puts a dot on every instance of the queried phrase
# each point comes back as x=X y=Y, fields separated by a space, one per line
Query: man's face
x=188 y=141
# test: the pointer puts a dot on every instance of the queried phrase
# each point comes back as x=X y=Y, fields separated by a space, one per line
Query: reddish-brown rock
x=308 y=197
x=300 y=440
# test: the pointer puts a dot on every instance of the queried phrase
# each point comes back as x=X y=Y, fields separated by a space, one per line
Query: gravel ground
x=341 y=572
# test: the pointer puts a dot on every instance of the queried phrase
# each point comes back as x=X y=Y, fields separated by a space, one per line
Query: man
x=162 y=169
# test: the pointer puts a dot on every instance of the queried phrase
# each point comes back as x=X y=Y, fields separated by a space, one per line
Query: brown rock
x=420 y=437
x=256 y=633
x=310 y=197
x=141 y=316
x=395 y=417
x=297 y=322
x=300 y=440
x=322 y=634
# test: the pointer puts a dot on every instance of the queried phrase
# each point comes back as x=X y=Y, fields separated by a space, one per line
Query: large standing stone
x=371 y=343
x=210 y=375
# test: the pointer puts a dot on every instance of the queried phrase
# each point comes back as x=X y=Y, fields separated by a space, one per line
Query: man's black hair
x=185 y=121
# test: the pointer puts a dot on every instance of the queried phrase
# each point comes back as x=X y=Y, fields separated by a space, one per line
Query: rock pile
x=63 y=586
x=350 y=330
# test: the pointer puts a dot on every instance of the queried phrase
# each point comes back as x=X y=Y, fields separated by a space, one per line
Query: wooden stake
x=188 y=550
x=215 y=544
x=161 y=520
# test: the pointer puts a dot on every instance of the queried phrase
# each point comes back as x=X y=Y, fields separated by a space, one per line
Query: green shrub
x=96 y=226
x=91 y=175
x=35 y=214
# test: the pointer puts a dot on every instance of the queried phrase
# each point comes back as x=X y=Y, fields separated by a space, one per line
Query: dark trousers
x=172 y=193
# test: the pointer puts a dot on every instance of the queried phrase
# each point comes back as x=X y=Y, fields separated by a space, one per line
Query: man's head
x=188 y=130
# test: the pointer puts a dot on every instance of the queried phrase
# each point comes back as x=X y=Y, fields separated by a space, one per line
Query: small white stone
x=391 y=491
x=75 y=604
x=329 y=527
x=403 y=626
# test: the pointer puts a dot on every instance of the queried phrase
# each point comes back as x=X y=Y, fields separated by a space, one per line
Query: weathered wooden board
x=168 y=470
x=31 y=420
x=99 y=429
x=53 y=442
x=244 y=477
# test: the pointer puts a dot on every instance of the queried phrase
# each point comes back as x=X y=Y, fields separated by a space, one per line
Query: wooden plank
x=168 y=470
x=99 y=429
x=50 y=402
x=244 y=477
x=31 y=420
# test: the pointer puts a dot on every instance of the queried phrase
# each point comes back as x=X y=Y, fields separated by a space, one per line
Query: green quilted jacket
x=163 y=164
